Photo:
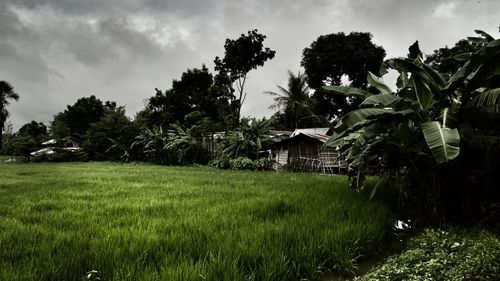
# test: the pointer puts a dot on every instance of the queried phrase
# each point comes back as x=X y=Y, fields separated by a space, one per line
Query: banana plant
x=420 y=119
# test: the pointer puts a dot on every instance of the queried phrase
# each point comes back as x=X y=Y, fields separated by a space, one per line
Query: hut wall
x=282 y=156
x=303 y=150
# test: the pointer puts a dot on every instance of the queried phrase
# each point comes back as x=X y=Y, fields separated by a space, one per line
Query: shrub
x=245 y=163
x=444 y=255
x=241 y=163
x=221 y=162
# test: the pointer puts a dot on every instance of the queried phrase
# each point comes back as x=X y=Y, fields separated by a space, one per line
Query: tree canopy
x=444 y=60
x=240 y=57
x=77 y=118
x=334 y=56
x=191 y=98
x=293 y=102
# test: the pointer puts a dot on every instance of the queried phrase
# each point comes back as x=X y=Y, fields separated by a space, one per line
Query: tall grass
x=144 y=222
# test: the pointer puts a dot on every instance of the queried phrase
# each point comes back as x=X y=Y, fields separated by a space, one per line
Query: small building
x=50 y=146
x=70 y=142
x=304 y=151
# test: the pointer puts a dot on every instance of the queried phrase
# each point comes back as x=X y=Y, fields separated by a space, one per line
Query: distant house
x=50 y=142
x=304 y=151
x=70 y=142
x=65 y=142
x=50 y=146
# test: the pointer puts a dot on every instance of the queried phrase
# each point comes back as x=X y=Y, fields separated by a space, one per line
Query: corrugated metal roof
x=280 y=133
x=311 y=131
x=322 y=138
x=51 y=141
x=319 y=137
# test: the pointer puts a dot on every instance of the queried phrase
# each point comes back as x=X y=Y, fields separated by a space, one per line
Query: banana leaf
x=347 y=91
x=443 y=142
x=374 y=81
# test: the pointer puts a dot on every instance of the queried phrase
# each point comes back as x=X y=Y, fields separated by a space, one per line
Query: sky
x=55 y=51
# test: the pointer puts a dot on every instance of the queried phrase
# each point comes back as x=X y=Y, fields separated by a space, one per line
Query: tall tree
x=240 y=57
x=36 y=130
x=192 y=98
x=78 y=117
x=334 y=56
x=29 y=138
x=6 y=94
x=293 y=101
x=110 y=138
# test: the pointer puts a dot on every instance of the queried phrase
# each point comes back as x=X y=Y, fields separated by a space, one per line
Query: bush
x=444 y=255
x=241 y=163
x=221 y=162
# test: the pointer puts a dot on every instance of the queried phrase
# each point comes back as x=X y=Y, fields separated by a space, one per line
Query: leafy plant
x=444 y=255
x=245 y=163
x=152 y=144
x=188 y=149
x=414 y=134
x=249 y=139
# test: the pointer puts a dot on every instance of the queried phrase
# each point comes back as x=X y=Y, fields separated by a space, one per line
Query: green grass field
x=145 y=222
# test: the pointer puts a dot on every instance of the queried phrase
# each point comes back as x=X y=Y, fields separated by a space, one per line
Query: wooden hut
x=305 y=151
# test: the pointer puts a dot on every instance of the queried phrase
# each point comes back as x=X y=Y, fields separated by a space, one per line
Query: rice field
x=145 y=222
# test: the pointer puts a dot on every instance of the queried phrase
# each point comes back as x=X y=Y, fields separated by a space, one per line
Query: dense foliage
x=415 y=135
x=443 y=59
x=240 y=57
x=334 y=56
x=444 y=255
x=295 y=104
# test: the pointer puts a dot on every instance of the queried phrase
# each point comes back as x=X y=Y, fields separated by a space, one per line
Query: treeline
x=199 y=118
x=435 y=135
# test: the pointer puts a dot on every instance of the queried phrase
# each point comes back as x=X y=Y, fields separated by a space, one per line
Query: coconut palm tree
x=295 y=100
x=6 y=93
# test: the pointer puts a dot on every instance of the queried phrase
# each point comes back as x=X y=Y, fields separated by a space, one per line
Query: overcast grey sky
x=55 y=51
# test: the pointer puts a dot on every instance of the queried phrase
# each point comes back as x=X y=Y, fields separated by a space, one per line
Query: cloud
x=56 y=51
x=445 y=10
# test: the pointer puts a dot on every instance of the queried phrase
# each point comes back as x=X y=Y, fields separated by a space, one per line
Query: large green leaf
x=418 y=69
x=422 y=92
x=374 y=81
x=383 y=100
x=347 y=91
x=353 y=117
x=486 y=36
x=346 y=131
x=437 y=78
x=340 y=141
x=487 y=98
x=402 y=81
x=463 y=56
x=477 y=60
x=443 y=142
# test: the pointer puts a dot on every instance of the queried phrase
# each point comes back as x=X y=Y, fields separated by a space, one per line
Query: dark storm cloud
x=55 y=51
x=19 y=52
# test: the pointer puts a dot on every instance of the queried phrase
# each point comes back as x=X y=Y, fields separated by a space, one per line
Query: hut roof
x=318 y=138
x=311 y=131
